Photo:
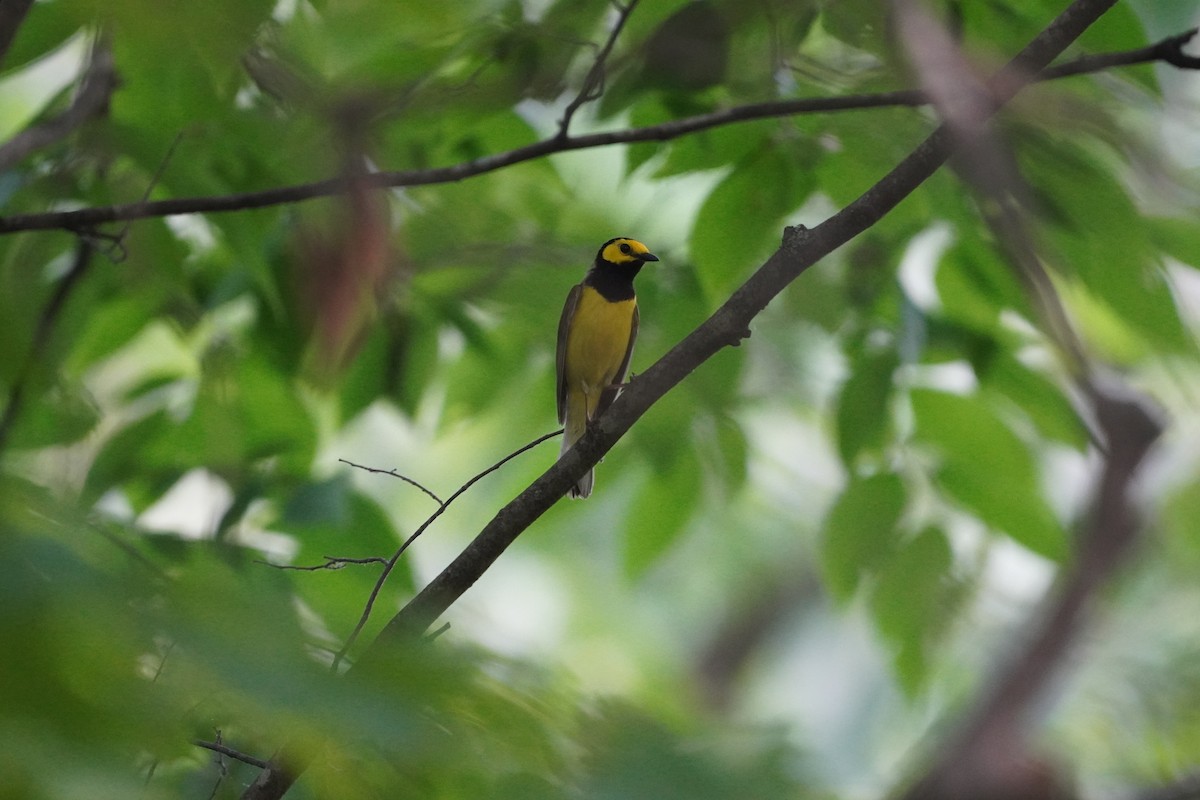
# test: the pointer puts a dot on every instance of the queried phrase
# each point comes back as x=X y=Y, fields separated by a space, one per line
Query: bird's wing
x=564 y=328
x=610 y=392
x=623 y=371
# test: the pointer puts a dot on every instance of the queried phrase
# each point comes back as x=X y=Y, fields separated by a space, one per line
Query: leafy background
x=795 y=566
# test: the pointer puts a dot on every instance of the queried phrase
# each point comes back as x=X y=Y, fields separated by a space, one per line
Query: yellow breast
x=597 y=341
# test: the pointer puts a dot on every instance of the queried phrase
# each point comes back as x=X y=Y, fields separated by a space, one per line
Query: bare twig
x=1169 y=51
x=593 y=82
x=391 y=563
x=331 y=563
x=394 y=474
x=217 y=747
x=96 y=87
x=88 y=218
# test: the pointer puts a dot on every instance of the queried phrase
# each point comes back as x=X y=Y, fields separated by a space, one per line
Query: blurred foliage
x=897 y=424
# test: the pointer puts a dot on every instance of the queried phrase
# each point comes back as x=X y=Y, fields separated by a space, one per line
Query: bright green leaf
x=860 y=531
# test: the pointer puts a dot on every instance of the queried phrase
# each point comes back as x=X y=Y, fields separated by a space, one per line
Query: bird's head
x=624 y=251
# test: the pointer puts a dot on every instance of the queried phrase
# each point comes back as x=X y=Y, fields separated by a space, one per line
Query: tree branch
x=237 y=755
x=1170 y=50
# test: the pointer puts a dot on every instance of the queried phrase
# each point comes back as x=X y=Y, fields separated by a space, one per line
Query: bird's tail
x=573 y=429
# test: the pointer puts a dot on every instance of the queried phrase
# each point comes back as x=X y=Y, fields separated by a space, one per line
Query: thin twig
x=88 y=218
x=394 y=474
x=217 y=747
x=391 y=564
x=593 y=82
x=331 y=563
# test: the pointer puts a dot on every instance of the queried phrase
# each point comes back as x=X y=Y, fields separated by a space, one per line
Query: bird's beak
x=648 y=257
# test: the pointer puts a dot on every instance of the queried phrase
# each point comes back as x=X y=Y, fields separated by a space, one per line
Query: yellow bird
x=595 y=341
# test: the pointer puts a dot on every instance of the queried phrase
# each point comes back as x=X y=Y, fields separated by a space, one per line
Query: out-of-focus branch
x=989 y=756
x=744 y=631
x=96 y=87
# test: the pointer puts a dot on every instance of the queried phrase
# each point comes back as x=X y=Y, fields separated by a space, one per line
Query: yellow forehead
x=622 y=251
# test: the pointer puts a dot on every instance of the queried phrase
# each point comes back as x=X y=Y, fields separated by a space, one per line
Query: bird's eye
x=626 y=249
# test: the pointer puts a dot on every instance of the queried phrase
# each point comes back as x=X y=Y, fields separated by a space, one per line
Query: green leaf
x=740 y=223
x=1179 y=237
x=1038 y=397
x=909 y=603
x=860 y=531
x=661 y=509
x=44 y=28
x=331 y=518
x=64 y=413
x=986 y=468
x=864 y=406
x=975 y=285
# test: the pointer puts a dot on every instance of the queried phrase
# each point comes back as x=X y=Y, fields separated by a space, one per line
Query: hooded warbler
x=595 y=341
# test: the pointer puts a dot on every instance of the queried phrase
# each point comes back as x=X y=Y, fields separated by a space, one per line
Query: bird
x=596 y=332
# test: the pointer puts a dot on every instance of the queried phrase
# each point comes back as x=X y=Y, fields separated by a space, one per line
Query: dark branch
x=331 y=563
x=88 y=218
x=1169 y=50
x=216 y=747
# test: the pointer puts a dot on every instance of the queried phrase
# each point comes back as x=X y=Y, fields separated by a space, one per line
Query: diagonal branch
x=1169 y=50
